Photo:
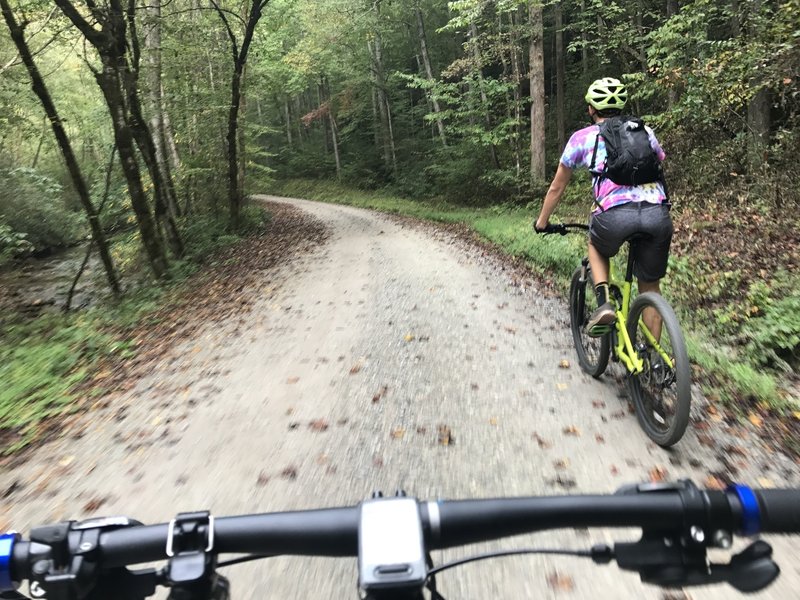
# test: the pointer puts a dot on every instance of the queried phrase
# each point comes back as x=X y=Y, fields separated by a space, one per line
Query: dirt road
x=388 y=357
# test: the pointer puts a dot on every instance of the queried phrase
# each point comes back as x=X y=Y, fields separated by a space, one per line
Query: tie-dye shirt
x=578 y=153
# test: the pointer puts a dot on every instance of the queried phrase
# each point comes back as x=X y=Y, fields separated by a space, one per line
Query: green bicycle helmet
x=607 y=93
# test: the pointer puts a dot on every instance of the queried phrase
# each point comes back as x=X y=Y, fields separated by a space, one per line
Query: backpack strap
x=597 y=175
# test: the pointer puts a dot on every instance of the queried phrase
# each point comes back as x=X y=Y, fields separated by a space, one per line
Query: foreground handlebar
x=334 y=531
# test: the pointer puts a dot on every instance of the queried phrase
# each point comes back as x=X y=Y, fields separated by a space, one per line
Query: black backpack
x=630 y=158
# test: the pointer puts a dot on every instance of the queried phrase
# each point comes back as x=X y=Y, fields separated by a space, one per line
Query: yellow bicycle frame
x=623 y=349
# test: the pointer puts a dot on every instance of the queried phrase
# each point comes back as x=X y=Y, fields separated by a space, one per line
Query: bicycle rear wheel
x=662 y=392
x=593 y=352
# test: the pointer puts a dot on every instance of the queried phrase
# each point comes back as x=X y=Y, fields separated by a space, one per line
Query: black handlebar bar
x=678 y=521
x=560 y=228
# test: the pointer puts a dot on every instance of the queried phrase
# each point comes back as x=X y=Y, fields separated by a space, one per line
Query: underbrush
x=743 y=328
x=43 y=360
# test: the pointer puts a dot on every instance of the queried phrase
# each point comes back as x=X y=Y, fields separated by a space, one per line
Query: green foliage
x=32 y=204
x=775 y=336
x=40 y=362
x=12 y=243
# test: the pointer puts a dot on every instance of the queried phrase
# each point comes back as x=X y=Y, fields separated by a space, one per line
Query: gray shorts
x=610 y=229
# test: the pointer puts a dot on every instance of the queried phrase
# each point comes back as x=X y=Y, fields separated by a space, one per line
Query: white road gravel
x=337 y=383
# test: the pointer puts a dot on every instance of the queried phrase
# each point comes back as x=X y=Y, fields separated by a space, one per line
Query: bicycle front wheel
x=662 y=391
x=592 y=352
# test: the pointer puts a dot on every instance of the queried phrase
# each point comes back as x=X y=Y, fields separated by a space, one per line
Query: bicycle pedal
x=599 y=330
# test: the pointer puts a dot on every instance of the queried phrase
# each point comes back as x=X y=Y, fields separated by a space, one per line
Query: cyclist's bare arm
x=554 y=193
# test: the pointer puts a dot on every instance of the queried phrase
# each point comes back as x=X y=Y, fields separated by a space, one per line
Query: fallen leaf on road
x=289 y=472
x=355 y=368
x=755 y=419
x=289 y=411
x=560 y=582
x=620 y=414
x=599 y=438
x=94 y=504
x=564 y=364
x=561 y=386
x=493 y=421
x=563 y=481
x=291 y=380
x=543 y=444
x=422 y=429
x=713 y=482
x=510 y=330
x=561 y=464
x=765 y=482
x=657 y=474
x=737 y=450
x=318 y=425
x=598 y=404
x=409 y=337
x=263 y=479
x=398 y=433
x=380 y=394
x=571 y=430
x=614 y=470
x=705 y=439
x=323 y=459
x=445 y=436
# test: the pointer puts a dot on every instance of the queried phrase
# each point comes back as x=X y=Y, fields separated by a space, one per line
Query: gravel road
x=359 y=359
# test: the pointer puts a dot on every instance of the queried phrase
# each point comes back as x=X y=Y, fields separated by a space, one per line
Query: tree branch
x=96 y=38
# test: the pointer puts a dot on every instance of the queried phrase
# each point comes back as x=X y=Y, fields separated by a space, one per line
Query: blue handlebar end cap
x=751 y=513
x=6 y=551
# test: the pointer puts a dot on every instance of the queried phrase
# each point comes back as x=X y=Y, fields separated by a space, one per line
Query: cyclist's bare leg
x=651 y=318
x=599 y=264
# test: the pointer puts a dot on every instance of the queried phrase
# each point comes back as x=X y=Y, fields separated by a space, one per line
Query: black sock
x=601 y=292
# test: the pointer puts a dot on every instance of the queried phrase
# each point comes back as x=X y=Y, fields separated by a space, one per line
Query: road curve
x=359 y=360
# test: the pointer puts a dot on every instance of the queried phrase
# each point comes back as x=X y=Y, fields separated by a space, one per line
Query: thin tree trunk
x=584 y=46
x=672 y=93
x=287 y=115
x=516 y=69
x=560 y=69
x=387 y=138
x=423 y=43
x=90 y=247
x=239 y=55
x=41 y=91
x=111 y=88
x=536 y=51
x=476 y=57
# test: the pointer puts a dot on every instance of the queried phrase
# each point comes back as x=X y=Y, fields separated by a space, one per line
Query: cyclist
x=620 y=211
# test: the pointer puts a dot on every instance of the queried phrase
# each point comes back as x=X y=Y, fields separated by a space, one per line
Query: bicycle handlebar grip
x=780 y=510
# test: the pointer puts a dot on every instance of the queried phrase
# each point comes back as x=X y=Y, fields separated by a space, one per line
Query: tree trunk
x=476 y=57
x=584 y=46
x=672 y=92
x=387 y=137
x=239 y=61
x=536 y=51
x=426 y=61
x=560 y=69
x=516 y=70
x=288 y=116
x=41 y=91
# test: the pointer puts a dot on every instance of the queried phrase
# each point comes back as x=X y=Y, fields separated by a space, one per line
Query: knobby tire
x=648 y=389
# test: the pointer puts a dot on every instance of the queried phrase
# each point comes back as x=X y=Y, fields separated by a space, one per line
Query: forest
x=136 y=130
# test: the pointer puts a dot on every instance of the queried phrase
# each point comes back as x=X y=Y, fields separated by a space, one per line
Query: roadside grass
x=44 y=360
x=731 y=375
